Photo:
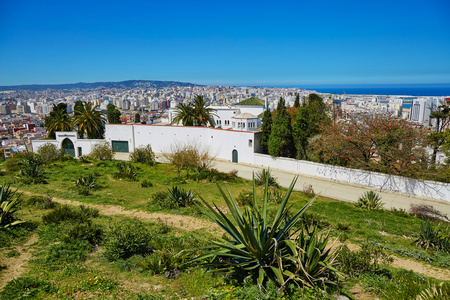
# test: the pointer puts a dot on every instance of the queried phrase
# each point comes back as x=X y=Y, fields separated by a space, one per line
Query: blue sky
x=225 y=42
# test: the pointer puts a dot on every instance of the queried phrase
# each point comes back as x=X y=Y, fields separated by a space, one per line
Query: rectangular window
x=227 y=122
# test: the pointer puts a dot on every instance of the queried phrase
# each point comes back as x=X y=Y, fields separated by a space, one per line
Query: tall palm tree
x=184 y=113
x=203 y=113
x=58 y=120
x=89 y=120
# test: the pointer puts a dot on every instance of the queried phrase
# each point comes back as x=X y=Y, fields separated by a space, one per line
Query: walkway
x=327 y=188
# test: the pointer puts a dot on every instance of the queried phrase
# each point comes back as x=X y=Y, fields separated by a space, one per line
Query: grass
x=77 y=269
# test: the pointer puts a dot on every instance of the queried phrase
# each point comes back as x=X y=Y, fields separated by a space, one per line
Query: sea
x=378 y=89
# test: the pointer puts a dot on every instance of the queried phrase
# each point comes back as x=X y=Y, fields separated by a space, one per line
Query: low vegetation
x=271 y=243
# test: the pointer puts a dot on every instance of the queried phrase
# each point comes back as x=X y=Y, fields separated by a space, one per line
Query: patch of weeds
x=161 y=200
x=16 y=234
x=400 y=213
x=86 y=231
x=368 y=259
x=96 y=283
x=63 y=253
x=146 y=183
x=432 y=257
x=68 y=213
x=126 y=239
x=12 y=253
x=25 y=288
x=308 y=190
x=42 y=202
x=426 y=212
x=245 y=198
x=125 y=170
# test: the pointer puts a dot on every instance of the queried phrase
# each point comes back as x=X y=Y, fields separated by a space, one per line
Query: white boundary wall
x=421 y=188
x=219 y=142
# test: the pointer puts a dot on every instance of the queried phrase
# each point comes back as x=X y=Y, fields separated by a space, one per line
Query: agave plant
x=126 y=170
x=180 y=197
x=260 y=248
x=264 y=174
x=369 y=200
x=8 y=206
x=85 y=184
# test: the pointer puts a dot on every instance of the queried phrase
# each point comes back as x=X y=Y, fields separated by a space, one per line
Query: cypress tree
x=113 y=114
x=266 y=128
x=301 y=132
x=297 y=101
x=137 y=118
x=281 y=142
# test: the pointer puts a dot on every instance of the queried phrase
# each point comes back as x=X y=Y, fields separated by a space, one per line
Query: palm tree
x=184 y=113
x=89 y=120
x=203 y=113
x=58 y=120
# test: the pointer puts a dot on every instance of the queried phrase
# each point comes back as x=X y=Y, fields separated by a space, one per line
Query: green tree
x=317 y=113
x=281 y=142
x=137 y=118
x=89 y=120
x=301 y=132
x=58 y=120
x=266 y=129
x=113 y=114
x=437 y=138
x=297 y=101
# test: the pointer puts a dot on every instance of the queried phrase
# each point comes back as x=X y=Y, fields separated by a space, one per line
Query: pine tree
x=137 y=118
x=266 y=129
x=281 y=142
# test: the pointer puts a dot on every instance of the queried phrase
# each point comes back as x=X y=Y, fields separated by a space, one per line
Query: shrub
x=125 y=170
x=12 y=164
x=85 y=184
x=146 y=183
x=434 y=237
x=308 y=190
x=180 y=197
x=368 y=259
x=31 y=170
x=426 y=212
x=265 y=175
x=49 y=152
x=9 y=204
x=63 y=213
x=84 y=159
x=143 y=155
x=102 y=151
x=245 y=198
x=86 y=231
x=124 y=240
x=44 y=202
x=161 y=200
x=369 y=200
x=264 y=250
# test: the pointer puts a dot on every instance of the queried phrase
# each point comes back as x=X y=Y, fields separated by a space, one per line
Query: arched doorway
x=68 y=147
x=235 y=156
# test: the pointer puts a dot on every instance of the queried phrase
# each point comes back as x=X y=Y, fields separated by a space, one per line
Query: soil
x=16 y=266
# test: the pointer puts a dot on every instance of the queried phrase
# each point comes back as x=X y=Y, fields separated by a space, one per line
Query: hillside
x=95 y=85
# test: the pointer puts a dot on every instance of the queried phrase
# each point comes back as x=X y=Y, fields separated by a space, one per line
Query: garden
x=95 y=228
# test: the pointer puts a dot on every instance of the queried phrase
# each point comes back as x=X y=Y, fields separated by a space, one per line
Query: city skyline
x=251 y=43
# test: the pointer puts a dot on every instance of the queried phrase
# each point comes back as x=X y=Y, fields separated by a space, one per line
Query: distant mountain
x=94 y=85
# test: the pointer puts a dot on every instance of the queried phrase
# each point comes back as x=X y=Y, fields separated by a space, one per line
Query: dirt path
x=16 y=266
x=178 y=221
x=191 y=223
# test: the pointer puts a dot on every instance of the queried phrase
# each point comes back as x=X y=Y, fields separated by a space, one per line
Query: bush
x=369 y=200
x=9 y=204
x=426 y=212
x=180 y=197
x=49 y=152
x=31 y=171
x=12 y=164
x=102 y=151
x=125 y=170
x=146 y=183
x=84 y=159
x=263 y=175
x=434 y=237
x=44 y=202
x=85 y=184
x=67 y=252
x=124 y=240
x=143 y=155
x=368 y=259
x=245 y=198
x=161 y=199
x=87 y=231
x=64 y=213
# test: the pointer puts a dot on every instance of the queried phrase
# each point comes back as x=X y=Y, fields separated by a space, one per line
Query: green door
x=68 y=147
x=120 y=146
x=235 y=156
